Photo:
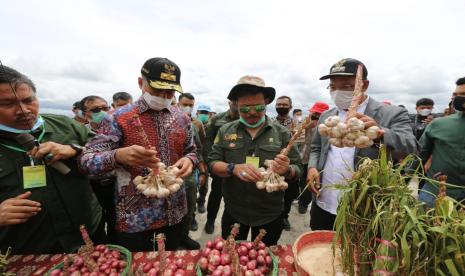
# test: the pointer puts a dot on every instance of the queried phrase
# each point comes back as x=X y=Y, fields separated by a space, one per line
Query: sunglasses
x=98 y=109
x=258 y=108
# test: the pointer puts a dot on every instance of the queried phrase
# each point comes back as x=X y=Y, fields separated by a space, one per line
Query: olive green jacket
x=243 y=200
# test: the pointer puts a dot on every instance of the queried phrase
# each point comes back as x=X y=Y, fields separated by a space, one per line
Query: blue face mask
x=203 y=118
x=257 y=124
x=38 y=123
x=97 y=117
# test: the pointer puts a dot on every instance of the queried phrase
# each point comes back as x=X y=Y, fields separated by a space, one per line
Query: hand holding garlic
x=271 y=180
x=161 y=184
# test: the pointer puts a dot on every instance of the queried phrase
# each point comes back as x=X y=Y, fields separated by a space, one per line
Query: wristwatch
x=231 y=168
x=77 y=148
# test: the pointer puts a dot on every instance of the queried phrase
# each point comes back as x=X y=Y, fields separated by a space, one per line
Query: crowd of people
x=57 y=173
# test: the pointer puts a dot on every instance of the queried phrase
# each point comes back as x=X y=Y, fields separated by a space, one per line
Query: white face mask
x=298 y=119
x=156 y=103
x=186 y=109
x=342 y=99
x=424 y=112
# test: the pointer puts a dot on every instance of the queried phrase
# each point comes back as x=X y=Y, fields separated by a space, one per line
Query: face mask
x=424 y=112
x=203 y=118
x=97 y=117
x=38 y=123
x=186 y=109
x=342 y=99
x=459 y=103
x=282 y=110
x=156 y=103
x=257 y=124
x=298 y=119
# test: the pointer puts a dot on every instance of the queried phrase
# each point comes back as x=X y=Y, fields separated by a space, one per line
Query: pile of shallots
x=226 y=257
x=161 y=184
x=349 y=134
x=164 y=266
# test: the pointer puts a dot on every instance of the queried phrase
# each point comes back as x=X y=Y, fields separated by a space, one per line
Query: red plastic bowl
x=307 y=239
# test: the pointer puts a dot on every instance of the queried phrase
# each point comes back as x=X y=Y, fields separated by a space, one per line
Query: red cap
x=319 y=107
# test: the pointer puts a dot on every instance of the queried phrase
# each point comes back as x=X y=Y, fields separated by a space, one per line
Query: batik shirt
x=170 y=132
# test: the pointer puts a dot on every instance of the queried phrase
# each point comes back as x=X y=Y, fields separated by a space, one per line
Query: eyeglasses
x=98 y=109
x=258 y=108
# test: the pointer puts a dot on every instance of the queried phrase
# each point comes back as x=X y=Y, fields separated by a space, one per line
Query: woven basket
x=127 y=256
x=307 y=239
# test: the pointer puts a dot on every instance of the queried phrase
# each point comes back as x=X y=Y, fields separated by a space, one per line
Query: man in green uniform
x=239 y=149
x=41 y=208
x=444 y=141
x=215 y=196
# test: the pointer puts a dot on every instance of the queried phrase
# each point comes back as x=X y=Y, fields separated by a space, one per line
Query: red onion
x=261 y=260
x=249 y=245
x=180 y=263
x=180 y=272
x=152 y=272
x=219 y=245
x=209 y=244
x=251 y=265
x=242 y=250
x=75 y=273
x=263 y=269
x=257 y=272
x=206 y=252
x=249 y=273
x=217 y=273
x=168 y=272
x=253 y=254
x=55 y=272
x=214 y=259
x=262 y=252
x=215 y=252
x=211 y=267
x=227 y=271
x=268 y=260
x=203 y=263
x=225 y=259
x=261 y=245
x=243 y=260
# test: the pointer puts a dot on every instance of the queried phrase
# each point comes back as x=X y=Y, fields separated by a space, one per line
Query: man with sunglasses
x=135 y=138
x=239 y=149
x=339 y=163
x=94 y=108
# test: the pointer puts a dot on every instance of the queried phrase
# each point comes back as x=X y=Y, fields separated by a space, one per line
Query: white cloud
x=71 y=49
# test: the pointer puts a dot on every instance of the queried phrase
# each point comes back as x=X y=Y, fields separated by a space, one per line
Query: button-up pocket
x=234 y=152
x=268 y=152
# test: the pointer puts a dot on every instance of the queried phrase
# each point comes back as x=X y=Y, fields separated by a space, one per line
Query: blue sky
x=71 y=49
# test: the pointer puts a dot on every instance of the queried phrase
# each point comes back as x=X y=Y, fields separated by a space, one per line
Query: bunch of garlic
x=271 y=181
x=161 y=184
x=349 y=134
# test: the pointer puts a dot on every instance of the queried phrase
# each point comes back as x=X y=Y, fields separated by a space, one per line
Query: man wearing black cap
x=239 y=149
x=338 y=163
x=122 y=147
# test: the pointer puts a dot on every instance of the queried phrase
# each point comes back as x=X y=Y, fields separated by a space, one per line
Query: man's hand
x=280 y=164
x=185 y=167
x=18 y=210
x=369 y=122
x=136 y=155
x=313 y=181
x=428 y=119
x=247 y=173
x=55 y=150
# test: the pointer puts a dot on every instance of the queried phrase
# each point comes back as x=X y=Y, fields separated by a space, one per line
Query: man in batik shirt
x=120 y=147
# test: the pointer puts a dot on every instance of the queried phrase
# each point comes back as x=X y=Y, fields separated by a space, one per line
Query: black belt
x=104 y=181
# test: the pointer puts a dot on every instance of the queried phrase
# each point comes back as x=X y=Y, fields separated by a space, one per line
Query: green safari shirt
x=243 y=200
x=444 y=139
x=212 y=128
x=67 y=201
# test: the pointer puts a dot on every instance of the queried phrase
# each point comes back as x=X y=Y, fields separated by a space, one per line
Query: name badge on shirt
x=253 y=160
x=34 y=177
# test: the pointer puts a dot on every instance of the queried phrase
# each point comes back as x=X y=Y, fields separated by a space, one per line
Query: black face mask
x=282 y=110
x=459 y=103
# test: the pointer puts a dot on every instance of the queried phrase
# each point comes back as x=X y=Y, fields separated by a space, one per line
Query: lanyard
x=41 y=136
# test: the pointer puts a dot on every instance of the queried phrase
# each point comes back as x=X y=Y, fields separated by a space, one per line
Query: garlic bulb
x=336 y=142
x=372 y=132
x=324 y=129
x=332 y=121
x=160 y=182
